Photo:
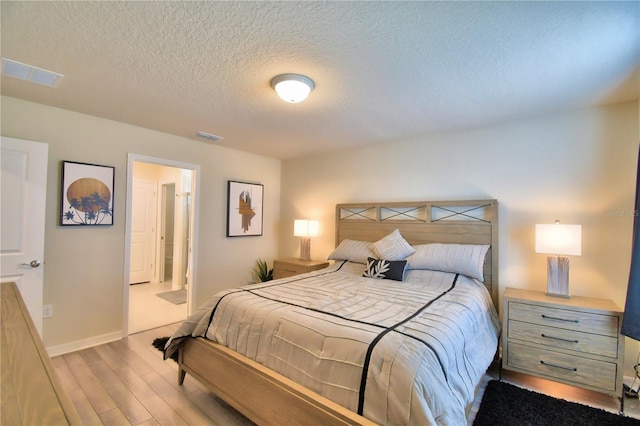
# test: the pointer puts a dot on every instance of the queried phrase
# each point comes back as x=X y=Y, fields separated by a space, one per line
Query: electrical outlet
x=47 y=311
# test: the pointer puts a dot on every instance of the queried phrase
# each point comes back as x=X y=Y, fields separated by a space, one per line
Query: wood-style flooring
x=127 y=383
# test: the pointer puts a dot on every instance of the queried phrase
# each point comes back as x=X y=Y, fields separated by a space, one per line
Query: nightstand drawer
x=284 y=268
x=564 y=318
x=552 y=337
x=288 y=270
x=568 y=368
x=573 y=341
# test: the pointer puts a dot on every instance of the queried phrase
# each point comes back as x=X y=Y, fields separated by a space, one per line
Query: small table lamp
x=560 y=241
x=306 y=229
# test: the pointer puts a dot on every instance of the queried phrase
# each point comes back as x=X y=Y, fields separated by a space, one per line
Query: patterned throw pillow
x=385 y=269
x=392 y=247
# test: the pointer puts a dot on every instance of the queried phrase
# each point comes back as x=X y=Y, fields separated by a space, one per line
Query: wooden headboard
x=423 y=222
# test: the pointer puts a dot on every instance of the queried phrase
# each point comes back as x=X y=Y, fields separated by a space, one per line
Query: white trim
x=628 y=380
x=195 y=203
x=78 y=345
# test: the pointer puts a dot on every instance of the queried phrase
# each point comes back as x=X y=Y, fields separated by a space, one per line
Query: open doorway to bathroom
x=160 y=243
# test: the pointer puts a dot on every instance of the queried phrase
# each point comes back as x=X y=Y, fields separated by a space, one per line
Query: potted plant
x=262 y=272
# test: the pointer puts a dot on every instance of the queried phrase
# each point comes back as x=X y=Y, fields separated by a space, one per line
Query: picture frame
x=244 y=209
x=86 y=194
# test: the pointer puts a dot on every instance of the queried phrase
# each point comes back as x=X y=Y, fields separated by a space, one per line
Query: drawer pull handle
x=559 y=319
x=558 y=366
x=562 y=339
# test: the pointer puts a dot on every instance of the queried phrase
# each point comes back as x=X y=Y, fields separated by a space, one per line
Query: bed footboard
x=260 y=394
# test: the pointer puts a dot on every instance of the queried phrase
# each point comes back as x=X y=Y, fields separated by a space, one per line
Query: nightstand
x=575 y=341
x=283 y=268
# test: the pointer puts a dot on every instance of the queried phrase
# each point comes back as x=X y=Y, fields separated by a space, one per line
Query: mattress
x=397 y=352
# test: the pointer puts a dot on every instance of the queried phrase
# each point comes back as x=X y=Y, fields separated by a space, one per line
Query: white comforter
x=423 y=344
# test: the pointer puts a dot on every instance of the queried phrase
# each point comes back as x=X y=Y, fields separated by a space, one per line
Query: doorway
x=167 y=213
x=171 y=222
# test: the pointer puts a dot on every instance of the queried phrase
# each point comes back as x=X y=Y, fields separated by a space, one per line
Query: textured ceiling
x=383 y=70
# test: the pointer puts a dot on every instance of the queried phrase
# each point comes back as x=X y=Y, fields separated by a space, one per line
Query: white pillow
x=466 y=259
x=353 y=251
x=392 y=247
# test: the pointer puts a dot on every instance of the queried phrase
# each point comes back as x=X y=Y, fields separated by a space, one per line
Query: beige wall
x=84 y=267
x=578 y=167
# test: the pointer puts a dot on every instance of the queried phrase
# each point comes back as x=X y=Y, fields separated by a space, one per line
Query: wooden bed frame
x=424 y=222
x=268 y=398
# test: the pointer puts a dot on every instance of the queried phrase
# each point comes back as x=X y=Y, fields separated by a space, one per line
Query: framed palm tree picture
x=86 y=194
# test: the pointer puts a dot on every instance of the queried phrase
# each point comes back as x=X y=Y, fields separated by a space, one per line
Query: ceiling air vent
x=209 y=136
x=30 y=73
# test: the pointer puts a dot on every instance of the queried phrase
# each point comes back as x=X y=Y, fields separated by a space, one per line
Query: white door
x=143 y=226
x=22 y=218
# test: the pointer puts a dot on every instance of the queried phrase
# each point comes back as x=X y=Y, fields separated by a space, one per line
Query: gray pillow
x=392 y=247
x=353 y=251
x=465 y=259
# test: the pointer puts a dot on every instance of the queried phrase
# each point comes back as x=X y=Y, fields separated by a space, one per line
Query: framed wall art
x=244 y=209
x=86 y=194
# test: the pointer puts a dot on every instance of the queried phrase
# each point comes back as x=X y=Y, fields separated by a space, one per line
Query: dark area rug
x=159 y=345
x=504 y=404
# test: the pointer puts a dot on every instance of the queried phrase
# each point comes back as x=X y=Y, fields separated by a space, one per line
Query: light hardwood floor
x=127 y=383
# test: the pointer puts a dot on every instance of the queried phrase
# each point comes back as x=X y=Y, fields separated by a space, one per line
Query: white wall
x=579 y=167
x=84 y=267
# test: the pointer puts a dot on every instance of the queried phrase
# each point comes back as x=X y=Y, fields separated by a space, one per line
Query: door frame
x=193 y=238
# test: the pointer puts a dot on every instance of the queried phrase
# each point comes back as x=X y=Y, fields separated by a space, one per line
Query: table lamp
x=559 y=241
x=305 y=229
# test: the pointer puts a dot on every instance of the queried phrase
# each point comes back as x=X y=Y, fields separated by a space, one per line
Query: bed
x=398 y=330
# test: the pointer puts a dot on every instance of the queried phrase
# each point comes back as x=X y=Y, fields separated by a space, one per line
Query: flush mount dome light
x=292 y=88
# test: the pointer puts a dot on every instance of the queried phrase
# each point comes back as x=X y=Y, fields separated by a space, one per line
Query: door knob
x=34 y=263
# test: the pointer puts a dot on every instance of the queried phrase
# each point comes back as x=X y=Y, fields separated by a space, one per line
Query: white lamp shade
x=292 y=88
x=559 y=239
x=305 y=228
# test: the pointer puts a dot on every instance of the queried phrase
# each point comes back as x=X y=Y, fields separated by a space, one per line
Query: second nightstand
x=574 y=341
x=283 y=268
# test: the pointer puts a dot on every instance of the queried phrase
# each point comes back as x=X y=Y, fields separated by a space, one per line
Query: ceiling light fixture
x=292 y=88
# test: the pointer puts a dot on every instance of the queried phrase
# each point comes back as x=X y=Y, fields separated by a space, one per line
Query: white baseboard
x=632 y=382
x=83 y=344
x=628 y=380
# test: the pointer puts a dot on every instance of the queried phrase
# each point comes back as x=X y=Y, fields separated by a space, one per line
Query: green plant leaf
x=262 y=272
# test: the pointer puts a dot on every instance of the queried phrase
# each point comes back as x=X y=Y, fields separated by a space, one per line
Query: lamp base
x=564 y=296
x=305 y=248
x=558 y=276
